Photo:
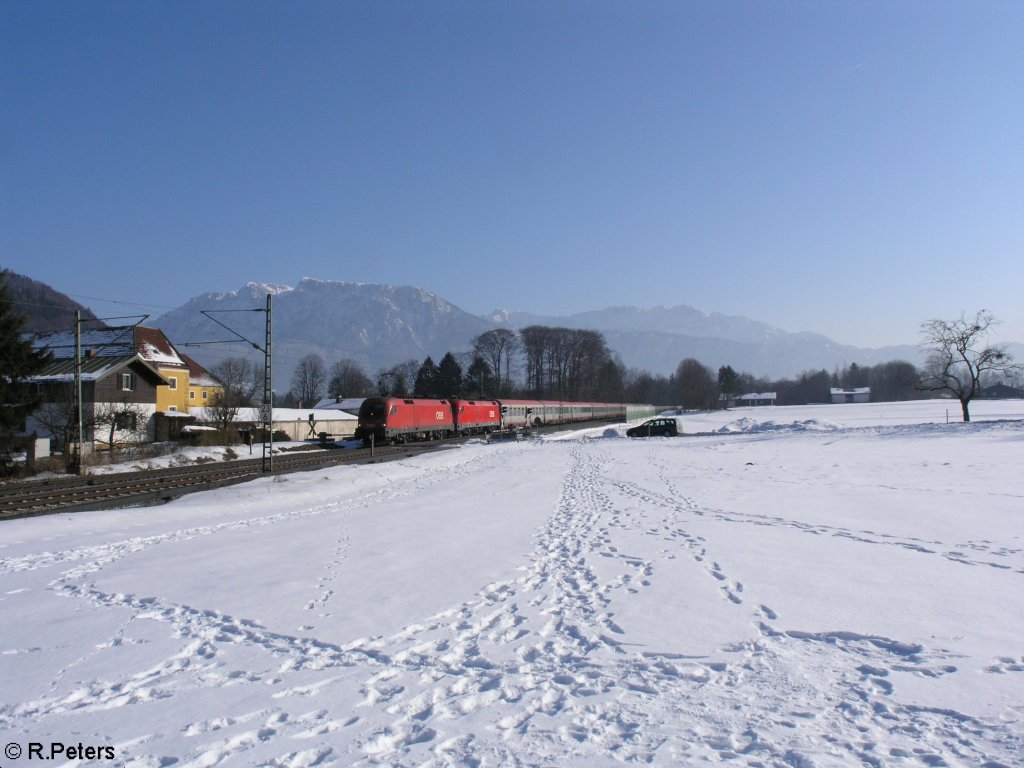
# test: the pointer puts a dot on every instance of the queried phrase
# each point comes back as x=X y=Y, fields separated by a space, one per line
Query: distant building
x=755 y=398
x=1001 y=392
x=851 y=394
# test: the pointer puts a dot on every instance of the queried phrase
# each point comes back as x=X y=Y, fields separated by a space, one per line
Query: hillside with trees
x=43 y=308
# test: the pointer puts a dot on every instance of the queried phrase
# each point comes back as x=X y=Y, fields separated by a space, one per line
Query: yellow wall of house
x=176 y=399
x=200 y=397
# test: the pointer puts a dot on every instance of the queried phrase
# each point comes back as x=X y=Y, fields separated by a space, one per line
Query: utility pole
x=268 y=396
x=78 y=391
x=266 y=409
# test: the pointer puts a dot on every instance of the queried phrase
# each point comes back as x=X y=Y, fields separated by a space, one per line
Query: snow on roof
x=850 y=390
x=280 y=414
x=100 y=342
x=199 y=376
x=148 y=343
x=154 y=347
x=757 y=396
x=345 y=404
x=97 y=368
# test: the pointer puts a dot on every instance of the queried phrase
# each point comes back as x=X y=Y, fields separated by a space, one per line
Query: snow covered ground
x=792 y=587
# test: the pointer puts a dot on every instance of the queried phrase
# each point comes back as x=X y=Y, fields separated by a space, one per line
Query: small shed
x=851 y=394
x=756 y=398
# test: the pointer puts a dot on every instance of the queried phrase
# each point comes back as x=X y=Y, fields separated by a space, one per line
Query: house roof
x=197 y=375
x=281 y=415
x=350 y=404
x=850 y=390
x=150 y=344
x=757 y=396
x=97 y=368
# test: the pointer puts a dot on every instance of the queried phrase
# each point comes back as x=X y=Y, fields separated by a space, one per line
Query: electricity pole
x=266 y=409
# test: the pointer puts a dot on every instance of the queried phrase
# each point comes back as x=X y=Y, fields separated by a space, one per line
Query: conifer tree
x=18 y=362
x=449 y=376
x=426 y=378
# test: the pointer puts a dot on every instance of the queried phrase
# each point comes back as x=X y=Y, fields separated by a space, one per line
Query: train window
x=394 y=410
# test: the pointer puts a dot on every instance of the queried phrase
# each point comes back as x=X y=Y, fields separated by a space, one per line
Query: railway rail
x=154 y=486
x=29 y=498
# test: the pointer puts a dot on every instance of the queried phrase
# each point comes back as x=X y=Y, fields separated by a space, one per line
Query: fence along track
x=153 y=486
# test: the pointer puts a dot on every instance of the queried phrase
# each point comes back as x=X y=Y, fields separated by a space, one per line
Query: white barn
x=851 y=394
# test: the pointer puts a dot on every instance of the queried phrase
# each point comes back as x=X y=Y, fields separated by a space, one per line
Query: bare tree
x=120 y=422
x=498 y=348
x=239 y=379
x=57 y=415
x=347 y=379
x=567 y=363
x=534 y=345
x=695 y=385
x=959 y=358
x=309 y=379
x=894 y=380
x=398 y=379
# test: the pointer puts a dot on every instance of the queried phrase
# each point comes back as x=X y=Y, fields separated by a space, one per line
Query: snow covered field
x=793 y=587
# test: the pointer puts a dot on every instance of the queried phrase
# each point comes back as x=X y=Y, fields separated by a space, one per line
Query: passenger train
x=398 y=419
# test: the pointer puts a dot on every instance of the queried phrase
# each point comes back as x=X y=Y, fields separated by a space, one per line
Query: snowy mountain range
x=382 y=325
x=376 y=325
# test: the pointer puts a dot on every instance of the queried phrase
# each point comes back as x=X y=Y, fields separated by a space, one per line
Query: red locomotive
x=397 y=419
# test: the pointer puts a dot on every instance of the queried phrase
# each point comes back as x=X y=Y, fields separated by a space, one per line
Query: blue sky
x=850 y=168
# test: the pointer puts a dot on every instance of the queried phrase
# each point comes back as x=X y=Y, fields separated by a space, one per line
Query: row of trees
x=571 y=364
x=538 y=361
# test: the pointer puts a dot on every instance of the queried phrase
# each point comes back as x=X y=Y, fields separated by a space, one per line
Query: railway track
x=30 y=498
x=154 y=486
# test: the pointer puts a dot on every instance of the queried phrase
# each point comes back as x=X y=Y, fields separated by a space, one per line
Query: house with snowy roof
x=152 y=346
x=119 y=394
x=130 y=375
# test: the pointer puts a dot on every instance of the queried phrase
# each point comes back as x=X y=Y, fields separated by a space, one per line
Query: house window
x=127 y=382
x=172 y=382
x=125 y=421
x=191 y=394
x=173 y=408
x=205 y=393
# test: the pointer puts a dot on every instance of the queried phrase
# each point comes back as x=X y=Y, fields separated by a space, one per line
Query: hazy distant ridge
x=657 y=339
x=381 y=325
